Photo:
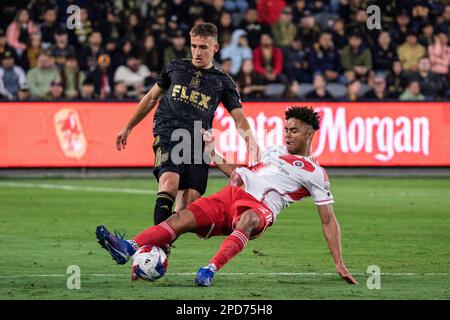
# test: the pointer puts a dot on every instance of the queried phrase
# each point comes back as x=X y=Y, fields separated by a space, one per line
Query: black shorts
x=192 y=176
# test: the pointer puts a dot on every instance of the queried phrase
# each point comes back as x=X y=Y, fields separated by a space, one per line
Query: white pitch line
x=74 y=188
x=301 y=274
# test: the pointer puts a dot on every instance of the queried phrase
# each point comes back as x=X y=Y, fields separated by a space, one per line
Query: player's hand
x=345 y=274
x=121 y=140
x=254 y=155
x=209 y=140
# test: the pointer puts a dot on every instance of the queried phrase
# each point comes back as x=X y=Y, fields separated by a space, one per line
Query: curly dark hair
x=304 y=114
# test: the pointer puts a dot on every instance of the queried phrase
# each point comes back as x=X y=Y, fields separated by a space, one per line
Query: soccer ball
x=149 y=263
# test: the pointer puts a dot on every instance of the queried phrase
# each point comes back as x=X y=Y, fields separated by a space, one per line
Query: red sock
x=159 y=235
x=231 y=246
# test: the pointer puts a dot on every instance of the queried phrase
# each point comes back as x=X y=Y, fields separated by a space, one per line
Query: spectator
x=236 y=5
x=323 y=58
x=396 y=80
x=85 y=28
x=430 y=83
x=40 y=77
x=37 y=8
x=269 y=11
x=24 y=93
x=339 y=36
x=225 y=28
x=151 y=56
x=72 y=77
x=172 y=25
x=284 y=30
x=28 y=59
x=178 y=49
x=439 y=53
x=237 y=51
x=353 y=90
x=4 y=46
x=87 y=92
x=226 y=65
x=359 y=25
x=214 y=11
x=88 y=55
x=62 y=48
x=111 y=29
x=133 y=27
x=250 y=84
x=133 y=73
x=102 y=76
x=180 y=9
x=295 y=62
x=11 y=76
x=410 y=52
x=308 y=30
x=355 y=57
x=120 y=56
x=56 y=90
x=320 y=91
x=445 y=24
x=412 y=93
x=298 y=11
x=401 y=27
x=426 y=36
x=18 y=31
x=420 y=14
x=120 y=92
x=253 y=27
x=159 y=29
x=378 y=91
x=49 y=25
x=384 y=54
x=268 y=60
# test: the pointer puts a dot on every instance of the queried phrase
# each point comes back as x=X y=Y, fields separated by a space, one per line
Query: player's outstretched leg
x=160 y=235
x=231 y=246
x=120 y=250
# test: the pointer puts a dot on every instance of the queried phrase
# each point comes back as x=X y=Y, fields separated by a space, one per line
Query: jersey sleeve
x=163 y=79
x=230 y=96
x=319 y=189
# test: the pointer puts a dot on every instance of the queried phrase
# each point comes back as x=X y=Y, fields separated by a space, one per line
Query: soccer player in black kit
x=188 y=91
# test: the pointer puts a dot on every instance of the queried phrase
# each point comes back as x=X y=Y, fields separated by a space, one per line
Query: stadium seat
x=274 y=90
x=305 y=88
x=337 y=90
x=364 y=89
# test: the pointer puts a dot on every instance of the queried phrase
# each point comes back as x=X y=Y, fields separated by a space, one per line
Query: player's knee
x=249 y=221
x=182 y=221
x=170 y=186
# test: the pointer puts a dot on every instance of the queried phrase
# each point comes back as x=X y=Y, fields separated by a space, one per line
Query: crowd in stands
x=280 y=49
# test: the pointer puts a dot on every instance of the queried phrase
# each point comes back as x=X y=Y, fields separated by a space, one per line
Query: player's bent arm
x=147 y=103
x=245 y=132
x=222 y=164
x=332 y=232
x=214 y=156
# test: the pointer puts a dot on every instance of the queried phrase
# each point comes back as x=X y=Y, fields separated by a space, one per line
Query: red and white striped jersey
x=281 y=178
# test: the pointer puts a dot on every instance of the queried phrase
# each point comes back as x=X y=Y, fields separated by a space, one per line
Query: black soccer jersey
x=192 y=94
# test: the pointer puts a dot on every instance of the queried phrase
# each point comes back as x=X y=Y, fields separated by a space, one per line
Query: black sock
x=163 y=207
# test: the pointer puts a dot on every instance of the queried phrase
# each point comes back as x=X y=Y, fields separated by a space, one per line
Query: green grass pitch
x=400 y=225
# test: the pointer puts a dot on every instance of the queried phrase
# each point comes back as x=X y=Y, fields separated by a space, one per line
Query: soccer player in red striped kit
x=250 y=203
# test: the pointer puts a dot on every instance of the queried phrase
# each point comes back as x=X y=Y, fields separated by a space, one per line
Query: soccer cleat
x=117 y=247
x=204 y=277
x=167 y=249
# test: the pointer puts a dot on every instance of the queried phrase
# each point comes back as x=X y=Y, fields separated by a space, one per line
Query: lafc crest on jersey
x=195 y=81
